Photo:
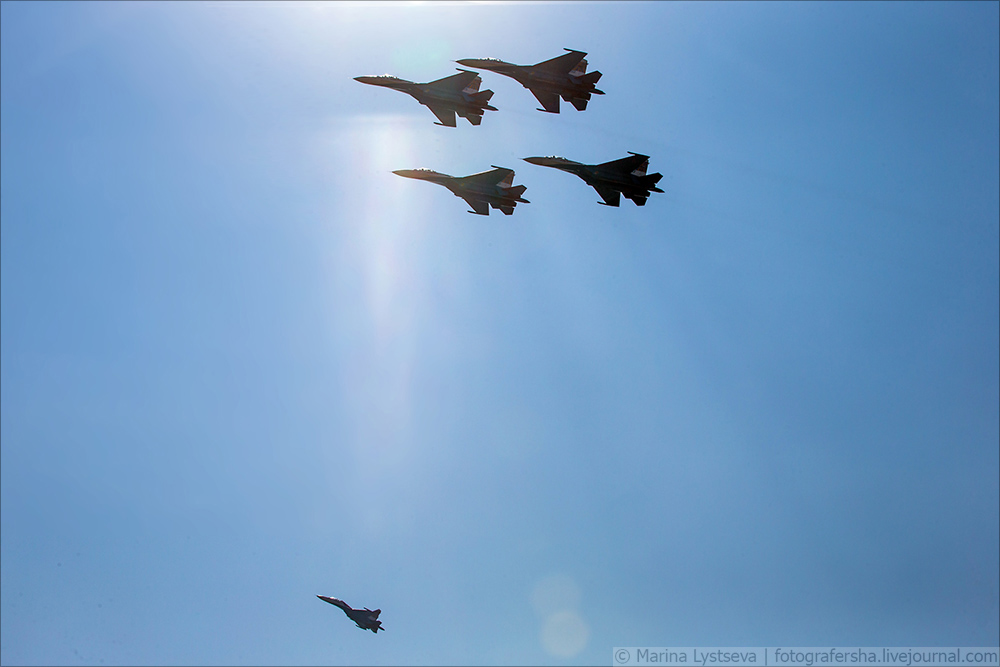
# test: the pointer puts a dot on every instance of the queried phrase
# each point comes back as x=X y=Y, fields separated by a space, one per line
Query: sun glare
x=376 y=262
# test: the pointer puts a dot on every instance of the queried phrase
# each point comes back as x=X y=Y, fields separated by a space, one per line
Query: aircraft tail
x=591 y=78
x=649 y=182
x=516 y=192
x=482 y=98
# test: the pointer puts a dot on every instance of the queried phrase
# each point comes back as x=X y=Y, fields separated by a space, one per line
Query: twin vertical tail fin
x=473 y=87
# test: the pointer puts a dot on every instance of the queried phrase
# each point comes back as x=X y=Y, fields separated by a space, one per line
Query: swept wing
x=636 y=164
x=479 y=206
x=464 y=81
x=563 y=64
x=549 y=100
x=610 y=196
x=498 y=176
x=445 y=115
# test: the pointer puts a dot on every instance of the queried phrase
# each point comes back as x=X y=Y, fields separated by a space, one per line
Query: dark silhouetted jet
x=611 y=179
x=366 y=619
x=490 y=188
x=563 y=76
x=458 y=93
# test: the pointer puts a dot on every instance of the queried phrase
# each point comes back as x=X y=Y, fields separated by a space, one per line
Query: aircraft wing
x=634 y=164
x=497 y=176
x=563 y=64
x=610 y=197
x=549 y=101
x=446 y=116
x=458 y=82
x=479 y=206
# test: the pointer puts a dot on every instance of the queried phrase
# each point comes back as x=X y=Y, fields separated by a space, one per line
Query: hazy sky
x=244 y=364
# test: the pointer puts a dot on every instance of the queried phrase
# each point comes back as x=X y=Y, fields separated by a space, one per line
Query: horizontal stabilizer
x=482 y=98
x=591 y=78
x=516 y=192
x=649 y=182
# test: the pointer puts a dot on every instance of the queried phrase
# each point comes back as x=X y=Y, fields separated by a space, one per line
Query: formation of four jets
x=563 y=77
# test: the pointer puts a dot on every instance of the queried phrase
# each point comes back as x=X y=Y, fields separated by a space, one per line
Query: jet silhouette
x=458 y=93
x=366 y=619
x=563 y=76
x=626 y=176
x=489 y=188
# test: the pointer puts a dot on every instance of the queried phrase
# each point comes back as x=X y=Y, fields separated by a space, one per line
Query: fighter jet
x=564 y=76
x=458 y=93
x=489 y=188
x=626 y=176
x=366 y=619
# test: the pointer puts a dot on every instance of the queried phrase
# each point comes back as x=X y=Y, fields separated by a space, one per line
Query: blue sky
x=243 y=363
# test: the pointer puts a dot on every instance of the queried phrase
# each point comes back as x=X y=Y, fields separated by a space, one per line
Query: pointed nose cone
x=383 y=80
x=480 y=63
x=421 y=174
x=551 y=161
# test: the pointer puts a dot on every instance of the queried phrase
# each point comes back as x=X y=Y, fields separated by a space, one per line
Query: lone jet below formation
x=563 y=76
x=366 y=619
x=626 y=176
x=458 y=93
x=490 y=188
